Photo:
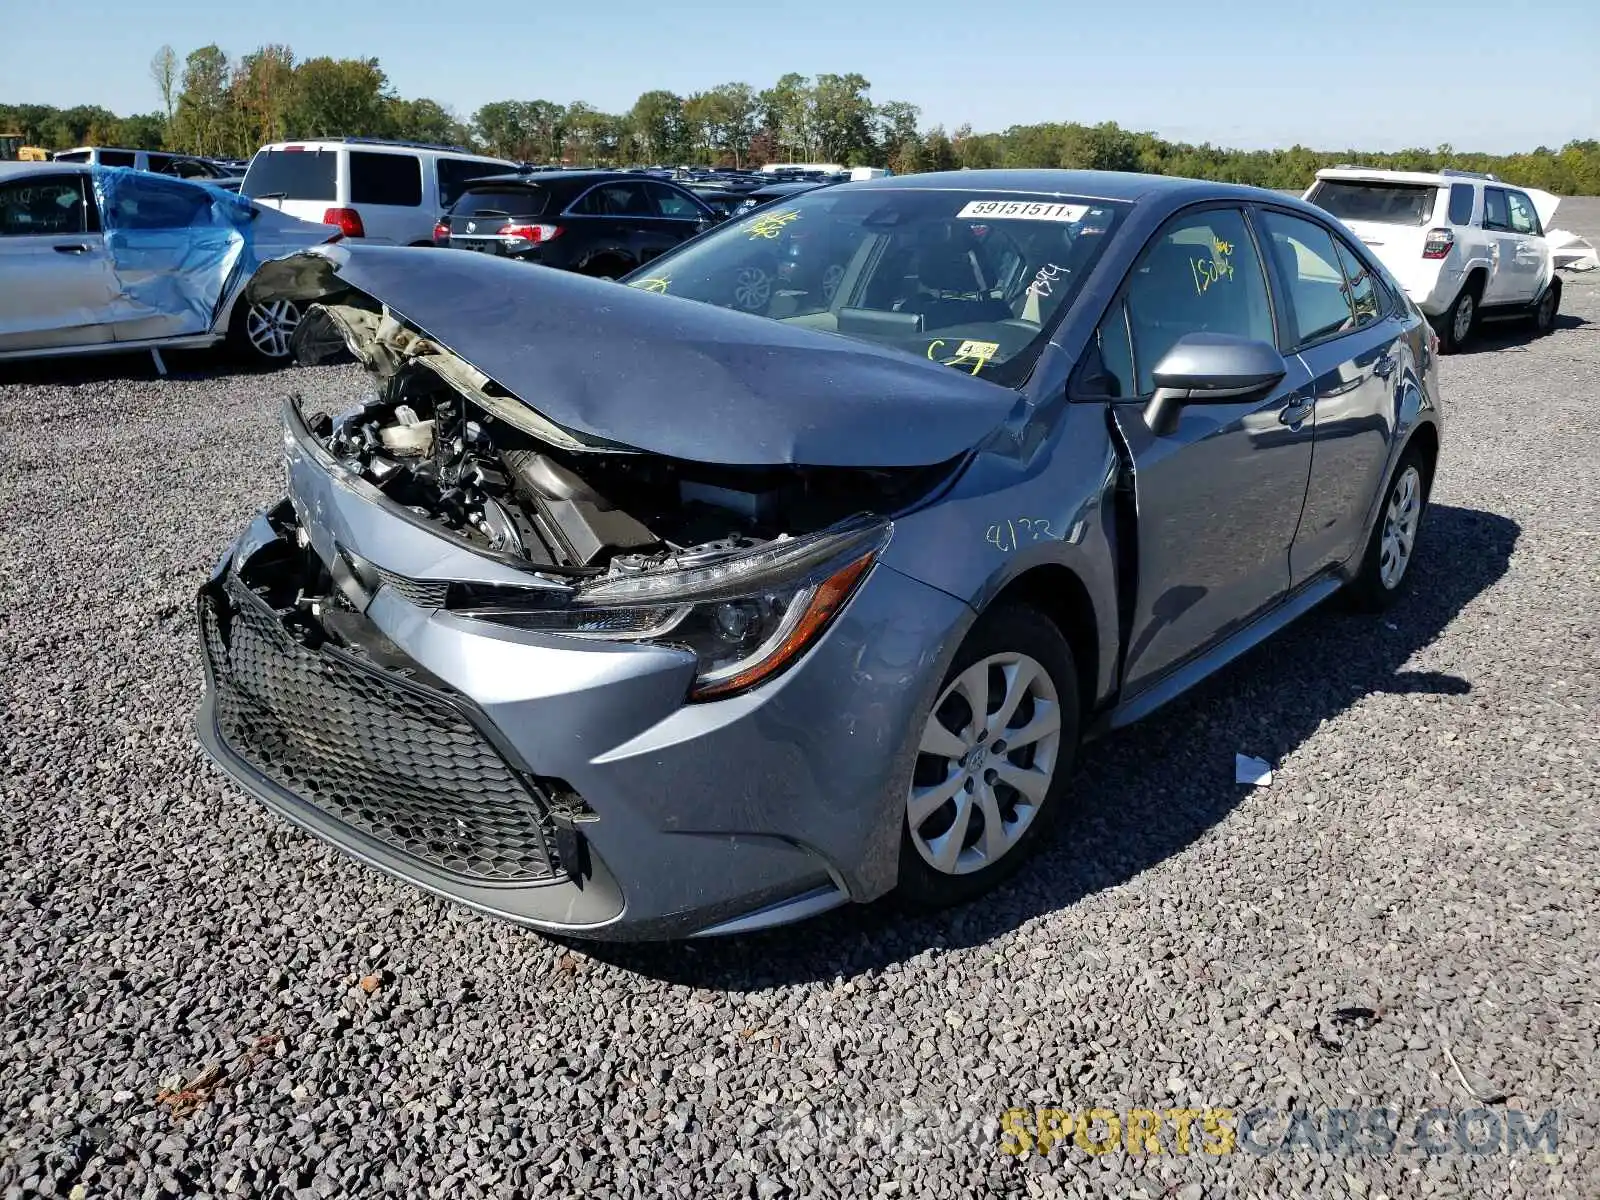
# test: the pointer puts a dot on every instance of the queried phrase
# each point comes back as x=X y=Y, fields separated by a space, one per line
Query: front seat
x=950 y=280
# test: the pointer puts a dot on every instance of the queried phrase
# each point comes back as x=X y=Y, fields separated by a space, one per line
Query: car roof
x=15 y=170
x=381 y=147
x=541 y=178
x=1379 y=174
x=1096 y=185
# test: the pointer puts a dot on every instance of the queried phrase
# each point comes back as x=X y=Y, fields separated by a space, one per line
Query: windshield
x=974 y=280
x=1386 y=203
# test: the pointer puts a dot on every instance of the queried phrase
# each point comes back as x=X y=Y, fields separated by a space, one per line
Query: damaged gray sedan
x=626 y=611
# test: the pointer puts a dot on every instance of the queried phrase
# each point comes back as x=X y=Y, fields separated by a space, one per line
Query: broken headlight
x=745 y=617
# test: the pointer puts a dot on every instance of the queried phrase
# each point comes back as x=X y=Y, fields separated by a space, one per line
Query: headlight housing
x=746 y=617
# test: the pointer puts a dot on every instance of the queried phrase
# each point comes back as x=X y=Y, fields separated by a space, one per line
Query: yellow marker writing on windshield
x=972 y=353
x=770 y=225
x=657 y=283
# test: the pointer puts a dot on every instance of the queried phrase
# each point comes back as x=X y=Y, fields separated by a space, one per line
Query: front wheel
x=264 y=331
x=1386 y=565
x=993 y=761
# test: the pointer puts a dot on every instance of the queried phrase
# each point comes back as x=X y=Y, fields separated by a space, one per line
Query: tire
x=1007 y=646
x=1456 y=327
x=1544 y=313
x=263 y=332
x=1378 y=584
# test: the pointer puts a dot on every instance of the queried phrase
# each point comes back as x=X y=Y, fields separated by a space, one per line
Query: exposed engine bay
x=442 y=441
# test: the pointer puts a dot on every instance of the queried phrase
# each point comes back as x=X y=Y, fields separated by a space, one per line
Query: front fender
x=1003 y=518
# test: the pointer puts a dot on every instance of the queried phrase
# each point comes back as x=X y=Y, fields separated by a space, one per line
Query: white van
x=383 y=191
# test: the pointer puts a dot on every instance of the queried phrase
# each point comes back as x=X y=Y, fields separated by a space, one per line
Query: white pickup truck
x=1466 y=247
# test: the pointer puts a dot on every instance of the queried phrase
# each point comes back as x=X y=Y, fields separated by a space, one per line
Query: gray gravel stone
x=1426 y=853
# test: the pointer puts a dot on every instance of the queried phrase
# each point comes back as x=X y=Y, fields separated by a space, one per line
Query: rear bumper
x=693 y=819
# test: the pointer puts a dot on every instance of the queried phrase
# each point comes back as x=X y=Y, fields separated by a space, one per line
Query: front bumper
x=562 y=784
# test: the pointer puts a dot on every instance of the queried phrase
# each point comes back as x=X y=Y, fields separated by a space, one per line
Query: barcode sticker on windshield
x=1024 y=210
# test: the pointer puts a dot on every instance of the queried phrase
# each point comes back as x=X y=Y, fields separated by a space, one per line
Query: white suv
x=383 y=191
x=1465 y=246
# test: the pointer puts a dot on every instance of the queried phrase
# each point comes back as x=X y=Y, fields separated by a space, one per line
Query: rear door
x=1504 y=286
x=1336 y=318
x=617 y=221
x=679 y=216
x=1219 y=498
x=56 y=285
x=172 y=260
x=1531 y=259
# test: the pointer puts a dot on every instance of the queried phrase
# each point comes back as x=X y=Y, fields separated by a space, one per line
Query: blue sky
x=1481 y=76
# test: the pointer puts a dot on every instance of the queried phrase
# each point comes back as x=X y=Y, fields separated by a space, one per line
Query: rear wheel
x=1544 y=313
x=1457 y=324
x=994 y=759
x=1387 y=563
x=263 y=331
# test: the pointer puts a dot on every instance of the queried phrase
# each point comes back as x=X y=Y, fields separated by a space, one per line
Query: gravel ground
x=195 y=999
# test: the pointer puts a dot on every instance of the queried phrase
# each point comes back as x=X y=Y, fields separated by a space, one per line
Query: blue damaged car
x=97 y=260
x=624 y=611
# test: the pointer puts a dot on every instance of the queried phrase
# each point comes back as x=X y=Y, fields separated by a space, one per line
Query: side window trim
x=1496 y=227
x=573 y=209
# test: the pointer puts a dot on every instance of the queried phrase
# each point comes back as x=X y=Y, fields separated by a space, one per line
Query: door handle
x=1297 y=411
x=1384 y=367
x=74 y=248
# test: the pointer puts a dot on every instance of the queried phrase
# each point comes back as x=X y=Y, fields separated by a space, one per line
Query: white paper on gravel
x=1253 y=771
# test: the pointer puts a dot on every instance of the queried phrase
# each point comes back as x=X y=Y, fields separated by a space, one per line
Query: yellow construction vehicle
x=12 y=150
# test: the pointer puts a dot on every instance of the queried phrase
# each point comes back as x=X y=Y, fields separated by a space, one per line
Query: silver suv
x=1466 y=247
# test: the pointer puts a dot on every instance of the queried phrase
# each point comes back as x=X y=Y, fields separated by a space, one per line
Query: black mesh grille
x=424 y=593
x=397 y=762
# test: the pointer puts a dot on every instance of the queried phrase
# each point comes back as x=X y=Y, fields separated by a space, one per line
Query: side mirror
x=1209 y=368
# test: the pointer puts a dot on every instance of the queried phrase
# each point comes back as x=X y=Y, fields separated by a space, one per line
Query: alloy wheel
x=831 y=279
x=270 y=326
x=1400 y=519
x=985 y=763
x=752 y=289
x=1462 y=326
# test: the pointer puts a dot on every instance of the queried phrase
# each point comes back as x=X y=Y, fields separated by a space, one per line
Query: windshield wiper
x=270 y=196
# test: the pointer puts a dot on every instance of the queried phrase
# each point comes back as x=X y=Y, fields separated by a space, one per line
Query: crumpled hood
x=657 y=373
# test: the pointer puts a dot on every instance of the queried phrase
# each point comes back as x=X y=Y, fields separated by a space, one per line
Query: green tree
x=201 y=122
x=738 y=112
x=786 y=112
x=340 y=97
x=842 y=117
x=660 y=128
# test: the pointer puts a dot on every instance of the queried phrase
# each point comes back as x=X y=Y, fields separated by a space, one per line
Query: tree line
x=215 y=105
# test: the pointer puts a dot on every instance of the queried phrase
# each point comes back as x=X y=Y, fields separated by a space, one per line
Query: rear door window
x=1318 y=294
x=670 y=202
x=159 y=163
x=378 y=178
x=616 y=200
x=456 y=173
x=1523 y=217
x=117 y=158
x=147 y=202
x=1363 y=292
x=292 y=175
x=1460 y=204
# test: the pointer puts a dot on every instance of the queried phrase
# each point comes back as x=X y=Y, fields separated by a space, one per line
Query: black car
x=722 y=200
x=780 y=190
x=602 y=223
